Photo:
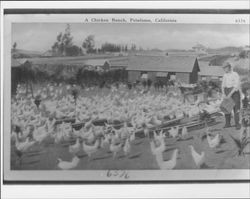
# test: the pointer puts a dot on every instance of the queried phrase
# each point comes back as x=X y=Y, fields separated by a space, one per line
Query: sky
x=41 y=36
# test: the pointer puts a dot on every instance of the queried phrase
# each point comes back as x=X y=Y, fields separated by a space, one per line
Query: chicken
x=127 y=147
x=199 y=159
x=155 y=121
x=66 y=165
x=167 y=165
x=40 y=134
x=77 y=133
x=24 y=146
x=115 y=147
x=174 y=131
x=90 y=149
x=155 y=150
x=184 y=132
x=146 y=131
x=158 y=137
x=27 y=132
x=76 y=147
x=213 y=142
x=105 y=140
x=132 y=136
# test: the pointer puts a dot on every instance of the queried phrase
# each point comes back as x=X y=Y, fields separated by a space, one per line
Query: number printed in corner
x=240 y=20
x=118 y=174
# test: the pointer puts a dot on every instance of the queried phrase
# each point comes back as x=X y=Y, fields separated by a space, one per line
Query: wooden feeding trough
x=191 y=123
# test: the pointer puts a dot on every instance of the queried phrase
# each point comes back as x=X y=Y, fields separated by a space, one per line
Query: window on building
x=203 y=78
x=144 y=75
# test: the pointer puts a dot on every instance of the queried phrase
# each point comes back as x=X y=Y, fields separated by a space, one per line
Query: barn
x=182 y=68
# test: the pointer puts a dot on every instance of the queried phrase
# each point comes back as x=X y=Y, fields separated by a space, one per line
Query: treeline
x=110 y=47
x=64 y=45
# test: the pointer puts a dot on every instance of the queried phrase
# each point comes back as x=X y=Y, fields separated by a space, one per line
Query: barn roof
x=207 y=70
x=162 y=63
x=119 y=62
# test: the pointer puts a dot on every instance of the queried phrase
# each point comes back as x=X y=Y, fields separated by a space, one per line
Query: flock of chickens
x=33 y=123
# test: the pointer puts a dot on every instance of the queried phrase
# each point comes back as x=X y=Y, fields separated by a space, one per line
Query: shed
x=185 y=68
x=210 y=72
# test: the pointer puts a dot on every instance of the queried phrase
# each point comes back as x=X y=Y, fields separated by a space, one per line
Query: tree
x=89 y=43
x=14 y=46
x=13 y=50
x=110 y=47
x=63 y=44
x=133 y=47
x=73 y=51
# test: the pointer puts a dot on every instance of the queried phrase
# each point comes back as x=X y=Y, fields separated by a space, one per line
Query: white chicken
x=155 y=121
x=40 y=134
x=213 y=142
x=199 y=159
x=174 y=131
x=24 y=146
x=76 y=147
x=146 y=131
x=66 y=165
x=90 y=149
x=105 y=140
x=161 y=148
x=167 y=165
x=132 y=136
x=127 y=147
x=158 y=137
x=184 y=132
x=115 y=147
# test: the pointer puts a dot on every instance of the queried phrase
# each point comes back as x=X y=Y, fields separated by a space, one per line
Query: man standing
x=231 y=89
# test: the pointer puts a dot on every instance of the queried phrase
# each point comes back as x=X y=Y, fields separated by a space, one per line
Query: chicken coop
x=183 y=68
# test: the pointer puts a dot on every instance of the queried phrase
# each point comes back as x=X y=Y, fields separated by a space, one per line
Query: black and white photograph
x=127 y=97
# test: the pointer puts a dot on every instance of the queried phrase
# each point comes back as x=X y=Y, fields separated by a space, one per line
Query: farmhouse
x=200 y=48
x=182 y=68
x=208 y=72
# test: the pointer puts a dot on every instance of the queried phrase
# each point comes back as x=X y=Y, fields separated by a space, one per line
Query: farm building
x=208 y=72
x=97 y=64
x=182 y=68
